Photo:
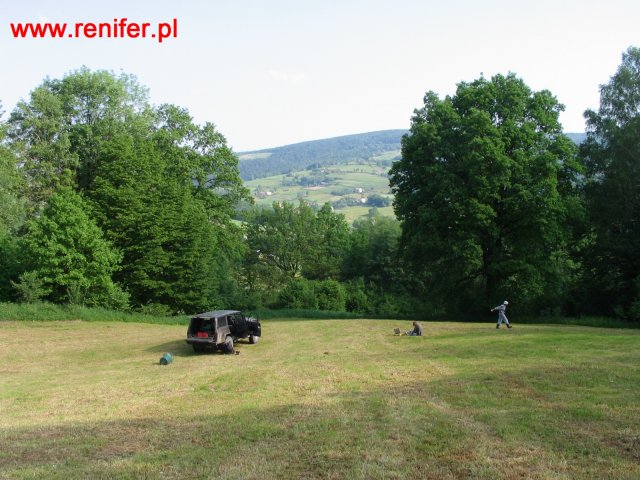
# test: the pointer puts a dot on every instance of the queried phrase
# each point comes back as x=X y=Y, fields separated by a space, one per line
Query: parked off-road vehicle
x=220 y=329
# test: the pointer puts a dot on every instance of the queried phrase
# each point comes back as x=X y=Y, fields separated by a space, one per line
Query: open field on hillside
x=320 y=399
x=356 y=181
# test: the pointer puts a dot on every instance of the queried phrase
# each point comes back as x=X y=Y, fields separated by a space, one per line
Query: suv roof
x=216 y=313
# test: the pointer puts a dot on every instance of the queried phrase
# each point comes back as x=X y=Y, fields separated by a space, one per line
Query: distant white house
x=264 y=193
x=359 y=190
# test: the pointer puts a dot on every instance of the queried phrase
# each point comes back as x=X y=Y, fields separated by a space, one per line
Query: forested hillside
x=577 y=138
x=361 y=147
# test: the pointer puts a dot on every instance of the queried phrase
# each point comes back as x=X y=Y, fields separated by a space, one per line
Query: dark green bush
x=356 y=299
x=330 y=295
x=298 y=294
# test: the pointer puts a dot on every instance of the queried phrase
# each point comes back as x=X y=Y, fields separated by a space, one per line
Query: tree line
x=107 y=200
x=114 y=202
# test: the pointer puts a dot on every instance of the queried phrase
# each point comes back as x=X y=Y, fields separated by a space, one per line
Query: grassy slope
x=320 y=399
x=349 y=176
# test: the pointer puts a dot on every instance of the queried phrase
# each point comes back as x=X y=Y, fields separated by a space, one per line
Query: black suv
x=220 y=329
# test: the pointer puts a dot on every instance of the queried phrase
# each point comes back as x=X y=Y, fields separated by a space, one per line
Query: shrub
x=30 y=287
x=302 y=294
x=298 y=294
x=330 y=295
x=357 y=299
x=155 y=309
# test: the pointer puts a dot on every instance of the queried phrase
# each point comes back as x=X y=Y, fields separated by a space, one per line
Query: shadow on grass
x=177 y=348
x=409 y=432
x=180 y=348
x=357 y=436
x=290 y=441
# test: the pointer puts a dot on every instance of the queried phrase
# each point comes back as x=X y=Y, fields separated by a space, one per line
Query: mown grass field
x=325 y=399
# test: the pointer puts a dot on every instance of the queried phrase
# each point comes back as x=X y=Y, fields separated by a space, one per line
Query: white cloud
x=289 y=77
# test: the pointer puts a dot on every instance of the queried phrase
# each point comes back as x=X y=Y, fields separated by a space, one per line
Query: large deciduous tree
x=480 y=192
x=373 y=253
x=330 y=242
x=612 y=158
x=67 y=251
x=59 y=132
x=12 y=205
x=12 y=215
x=296 y=241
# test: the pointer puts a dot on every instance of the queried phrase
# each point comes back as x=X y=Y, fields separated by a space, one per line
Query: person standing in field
x=501 y=315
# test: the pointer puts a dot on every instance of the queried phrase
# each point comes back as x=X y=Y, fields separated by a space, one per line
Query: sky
x=270 y=73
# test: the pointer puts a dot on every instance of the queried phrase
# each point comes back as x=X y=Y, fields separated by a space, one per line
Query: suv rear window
x=202 y=325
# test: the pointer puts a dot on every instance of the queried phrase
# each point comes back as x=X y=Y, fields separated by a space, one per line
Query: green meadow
x=343 y=182
x=320 y=399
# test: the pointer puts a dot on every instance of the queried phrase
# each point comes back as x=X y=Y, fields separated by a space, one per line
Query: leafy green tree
x=377 y=201
x=297 y=294
x=300 y=293
x=357 y=299
x=12 y=215
x=330 y=242
x=30 y=288
x=59 y=133
x=41 y=139
x=68 y=253
x=612 y=158
x=298 y=241
x=10 y=265
x=480 y=191
x=377 y=280
x=200 y=158
x=164 y=234
x=282 y=237
x=12 y=205
x=374 y=252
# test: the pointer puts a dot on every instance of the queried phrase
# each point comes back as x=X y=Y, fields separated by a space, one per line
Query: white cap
x=506 y=303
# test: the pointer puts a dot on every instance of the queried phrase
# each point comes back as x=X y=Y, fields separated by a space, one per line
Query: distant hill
x=379 y=147
x=382 y=148
x=577 y=138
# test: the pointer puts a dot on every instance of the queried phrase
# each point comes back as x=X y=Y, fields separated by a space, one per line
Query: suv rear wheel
x=228 y=345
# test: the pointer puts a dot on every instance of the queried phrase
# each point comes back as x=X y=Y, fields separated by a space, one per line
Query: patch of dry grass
x=319 y=399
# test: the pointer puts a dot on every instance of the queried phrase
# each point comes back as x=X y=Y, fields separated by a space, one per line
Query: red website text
x=119 y=28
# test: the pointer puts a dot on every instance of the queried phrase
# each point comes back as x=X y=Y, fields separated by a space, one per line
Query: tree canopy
x=162 y=189
x=298 y=241
x=612 y=159
x=12 y=204
x=480 y=193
